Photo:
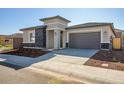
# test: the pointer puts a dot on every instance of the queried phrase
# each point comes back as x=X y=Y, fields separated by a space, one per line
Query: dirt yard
x=108 y=59
x=26 y=52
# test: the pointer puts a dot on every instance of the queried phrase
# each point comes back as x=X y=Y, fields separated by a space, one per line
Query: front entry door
x=61 y=39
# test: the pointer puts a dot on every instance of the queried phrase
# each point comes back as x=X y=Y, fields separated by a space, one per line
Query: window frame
x=32 y=37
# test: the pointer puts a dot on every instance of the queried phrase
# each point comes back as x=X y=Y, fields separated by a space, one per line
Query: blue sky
x=11 y=20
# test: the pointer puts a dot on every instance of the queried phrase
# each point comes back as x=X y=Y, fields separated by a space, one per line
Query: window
x=32 y=37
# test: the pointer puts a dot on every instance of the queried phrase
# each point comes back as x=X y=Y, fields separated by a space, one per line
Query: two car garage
x=90 y=40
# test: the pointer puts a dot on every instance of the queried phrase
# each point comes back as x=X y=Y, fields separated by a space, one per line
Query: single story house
x=55 y=34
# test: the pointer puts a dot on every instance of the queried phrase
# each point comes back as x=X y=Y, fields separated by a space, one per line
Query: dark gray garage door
x=89 y=40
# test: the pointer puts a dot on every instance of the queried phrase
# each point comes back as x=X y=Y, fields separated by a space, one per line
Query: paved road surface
x=10 y=75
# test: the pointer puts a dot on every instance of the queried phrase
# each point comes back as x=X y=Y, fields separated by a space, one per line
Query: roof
x=3 y=35
x=17 y=35
x=33 y=27
x=55 y=17
x=6 y=36
x=90 y=24
x=119 y=30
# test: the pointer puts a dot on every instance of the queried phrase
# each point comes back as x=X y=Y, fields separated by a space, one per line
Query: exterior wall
x=56 y=24
x=17 y=43
x=26 y=35
x=40 y=38
x=64 y=38
x=56 y=20
x=50 y=37
x=57 y=39
x=119 y=34
x=105 y=35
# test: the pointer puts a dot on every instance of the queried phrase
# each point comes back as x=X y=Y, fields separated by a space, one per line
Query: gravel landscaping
x=26 y=52
x=108 y=59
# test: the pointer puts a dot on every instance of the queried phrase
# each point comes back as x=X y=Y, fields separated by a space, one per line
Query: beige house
x=55 y=34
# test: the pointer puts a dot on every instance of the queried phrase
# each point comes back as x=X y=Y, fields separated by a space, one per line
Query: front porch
x=55 y=39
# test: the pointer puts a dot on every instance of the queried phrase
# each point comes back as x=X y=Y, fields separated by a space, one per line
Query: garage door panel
x=84 y=40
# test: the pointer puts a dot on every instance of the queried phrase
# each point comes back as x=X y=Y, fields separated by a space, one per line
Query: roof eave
x=32 y=28
x=26 y=29
x=84 y=27
x=43 y=19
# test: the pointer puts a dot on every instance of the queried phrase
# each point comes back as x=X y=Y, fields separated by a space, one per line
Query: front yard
x=26 y=52
x=107 y=59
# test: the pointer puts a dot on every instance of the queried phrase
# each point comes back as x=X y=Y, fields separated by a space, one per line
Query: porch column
x=47 y=38
x=64 y=39
x=56 y=38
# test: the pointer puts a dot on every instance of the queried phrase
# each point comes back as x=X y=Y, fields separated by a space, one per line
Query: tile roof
x=90 y=24
x=55 y=17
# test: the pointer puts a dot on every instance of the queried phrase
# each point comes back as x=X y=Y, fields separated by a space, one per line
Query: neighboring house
x=55 y=34
x=17 y=35
x=14 y=40
x=119 y=34
x=5 y=40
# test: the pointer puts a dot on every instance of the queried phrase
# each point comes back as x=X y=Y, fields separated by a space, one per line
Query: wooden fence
x=117 y=43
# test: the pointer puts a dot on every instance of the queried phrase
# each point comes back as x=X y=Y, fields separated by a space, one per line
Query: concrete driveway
x=70 y=56
x=73 y=56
